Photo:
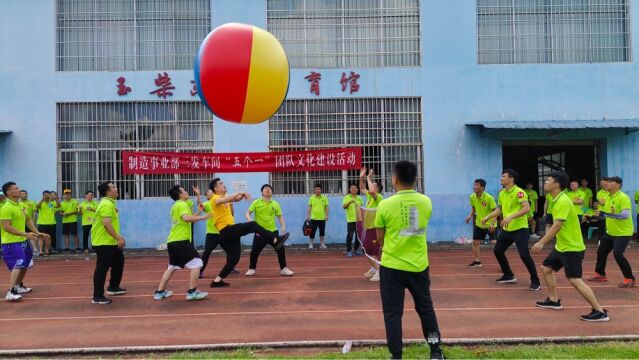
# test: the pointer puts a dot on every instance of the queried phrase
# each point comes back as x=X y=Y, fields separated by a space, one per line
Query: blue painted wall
x=454 y=91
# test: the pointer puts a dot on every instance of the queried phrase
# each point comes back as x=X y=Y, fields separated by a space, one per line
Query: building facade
x=464 y=88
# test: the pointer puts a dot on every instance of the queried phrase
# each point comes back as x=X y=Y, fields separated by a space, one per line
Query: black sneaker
x=67 y=250
x=281 y=240
x=117 y=291
x=549 y=304
x=219 y=284
x=596 y=316
x=102 y=300
x=437 y=355
x=475 y=264
x=78 y=250
x=534 y=286
x=507 y=279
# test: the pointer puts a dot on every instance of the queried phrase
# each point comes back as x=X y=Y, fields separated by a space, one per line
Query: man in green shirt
x=69 y=210
x=46 y=209
x=182 y=252
x=401 y=223
x=513 y=206
x=87 y=211
x=108 y=244
x=213 y=236
x=317 y=212
x=352 y=203
x=548 y=211
x=578 y=199
x=568 y=252
x=29 y=206
x=17 y=254
x=617 y=212
x=266 y=210
x=481 y=204
x=369 y=233
x=532 y=200
x=587 y=192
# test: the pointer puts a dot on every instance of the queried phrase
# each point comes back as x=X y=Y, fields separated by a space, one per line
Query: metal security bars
x=387 y=129
x=101 y=35
x=553 y=31
x=347 y=33
x=91 y=136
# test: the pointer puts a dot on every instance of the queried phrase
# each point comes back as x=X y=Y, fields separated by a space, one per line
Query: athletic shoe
x=437 y=355
x=534 y=286
x=358 y=252
x=310 y=246
x=78 y=250
x=41 y=254
x=323 y=246
x=220 y=283
x=281 y=240
x=507 y=279
x=196 y=295
x=234 y=271
x=596 y=316
x=11 y=296
x=102 y=300
x=375 y=277
x=116 y=291
x=23 y=290
x=349 y=254
x=475 y=264
x=250 y=272
x=534 y=236
x=627 y=283
x=286 y=272
x=598 y=278
x=370 y=272
x=67 y=250
x=159 y=295
x=549 y=304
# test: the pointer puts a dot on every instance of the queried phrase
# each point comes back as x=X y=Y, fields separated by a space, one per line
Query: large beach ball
x=241 y=73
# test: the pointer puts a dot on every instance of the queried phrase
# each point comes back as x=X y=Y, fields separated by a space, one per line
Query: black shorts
x=548 y=220
x=70 y=228
x=480 y=234
x=570 y=260
x=181 y=252
x=321 y=224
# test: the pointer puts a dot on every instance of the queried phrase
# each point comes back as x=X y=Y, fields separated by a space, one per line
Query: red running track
x=327 y=299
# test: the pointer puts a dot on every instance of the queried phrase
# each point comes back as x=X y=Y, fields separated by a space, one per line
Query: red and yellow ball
x=241 y=73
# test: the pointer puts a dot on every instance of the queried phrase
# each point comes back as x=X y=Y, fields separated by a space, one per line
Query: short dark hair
x=481 y=182
x=616 y=179
x=605 y=178
x=512 y=173
x=406 y=172
x=88 y=192
x=561 y=178
x=24 y=191
x=174 y=192
x=46 y=192
x=103 y=188
x=380 y=186
x=266 y=186
x=6 y=186
x=318 y=185
x=213 y=183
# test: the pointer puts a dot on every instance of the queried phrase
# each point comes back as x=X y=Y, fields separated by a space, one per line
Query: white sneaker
x=323 y=246
x=370 y=273
x=23 y=290
x=310 y=246
x=534 y=236
x=286 y=272
x=250 y=272
x=375 y=277
x=13 y=297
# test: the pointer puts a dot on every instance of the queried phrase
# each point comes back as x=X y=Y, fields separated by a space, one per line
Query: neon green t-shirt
x=615 y=204
x=210 y=222
x=351 y=210
x=106 y=209
x=180 y=229
x=483 y=205
x=637 y=198
x=29 y=207
x=532 y=199
x=510 y=203
x=602 y=196
x=574 y=195
x=2 y=203
x=88 y=215
x=569 y=237
x=549 y=206
x=405 y=216
x=265 y=213
x=67 y=206
x=372 y=203
x=318 y=207
x=588 y=193
x=46 y=213
x=17 y=214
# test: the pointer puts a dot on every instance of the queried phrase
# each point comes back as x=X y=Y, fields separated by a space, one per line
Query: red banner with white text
x=201 y=163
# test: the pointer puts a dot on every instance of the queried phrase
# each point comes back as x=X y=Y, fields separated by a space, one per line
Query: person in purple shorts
x=18 y=254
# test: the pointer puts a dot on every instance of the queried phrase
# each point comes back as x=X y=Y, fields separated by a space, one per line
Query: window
x=553 y=31
x=547 y=164
x=91 y=136
x=102 y=35
x=387 y=129
x=347 y=33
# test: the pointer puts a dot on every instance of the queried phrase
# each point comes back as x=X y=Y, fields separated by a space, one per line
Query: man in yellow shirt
x=46 y=209
x=532 y=200
x=231 y=233
x=586 y=190
x=352 y=203
x=369 y=234
x=29 y=206
x=317 y=213
x=70 y=211
x=481 y=204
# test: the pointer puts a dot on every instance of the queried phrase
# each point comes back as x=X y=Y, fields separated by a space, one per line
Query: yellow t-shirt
x=222 y=213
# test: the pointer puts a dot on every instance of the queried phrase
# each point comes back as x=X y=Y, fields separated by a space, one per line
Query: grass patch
x=604 y=350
